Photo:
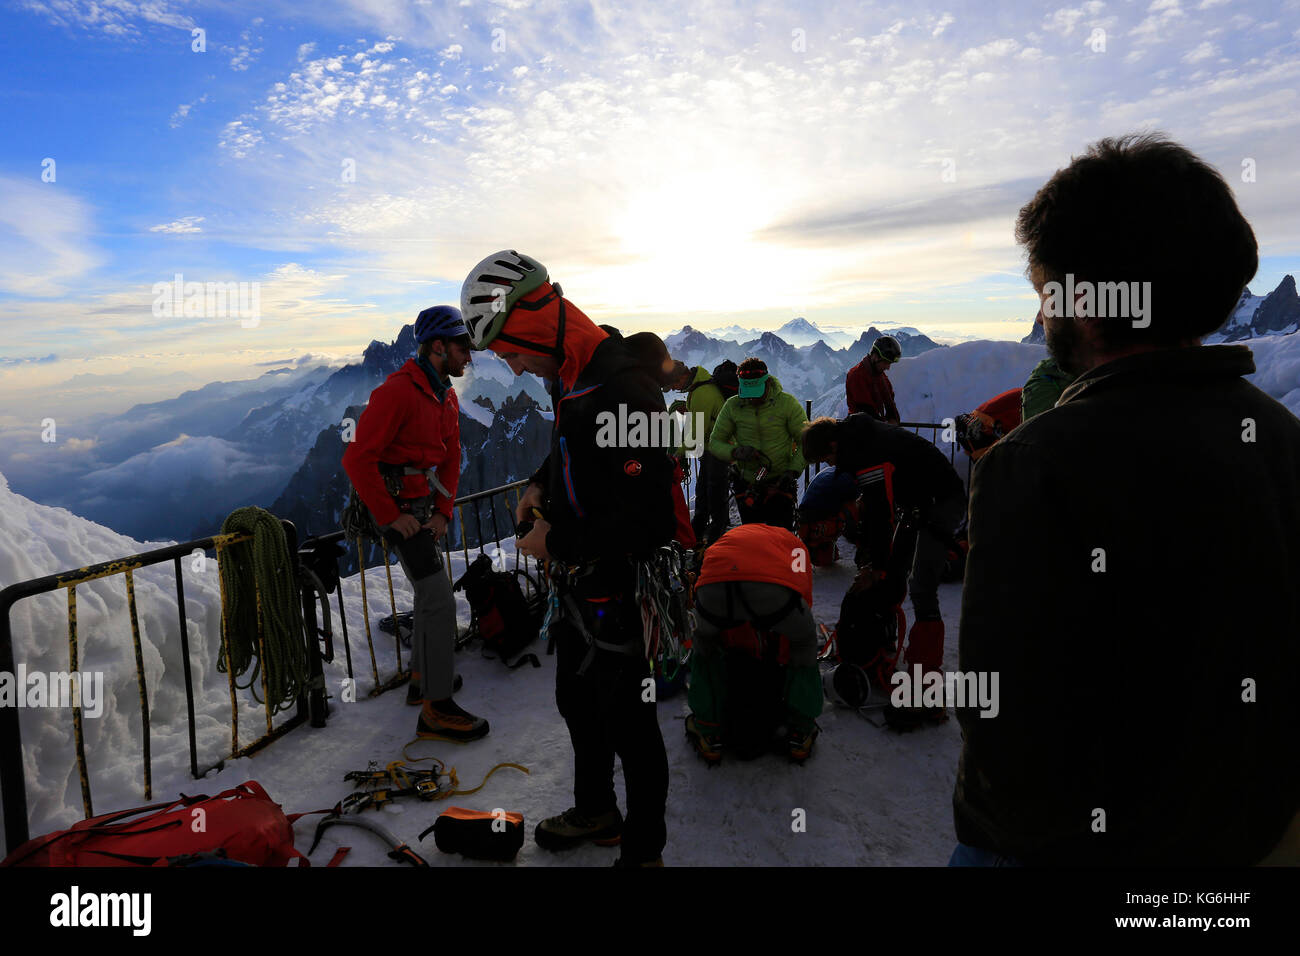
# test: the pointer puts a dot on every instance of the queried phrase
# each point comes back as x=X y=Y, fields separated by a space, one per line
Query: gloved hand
x=744 y=453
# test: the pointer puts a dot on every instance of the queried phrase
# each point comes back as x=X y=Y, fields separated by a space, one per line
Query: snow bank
x=38 y=540
x=1277 y=368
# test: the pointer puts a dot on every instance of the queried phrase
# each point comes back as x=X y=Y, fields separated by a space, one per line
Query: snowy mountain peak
x=769 y=343
x=1277 y=313
x=686 y=341
x=799 y=326
x=392 y=354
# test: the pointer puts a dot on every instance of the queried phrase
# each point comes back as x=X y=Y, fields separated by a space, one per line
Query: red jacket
x=405 y=424
x=979 y=430
x=869 y=391
x=684 y=534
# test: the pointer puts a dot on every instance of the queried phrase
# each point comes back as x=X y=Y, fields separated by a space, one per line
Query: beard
x=1065 y=344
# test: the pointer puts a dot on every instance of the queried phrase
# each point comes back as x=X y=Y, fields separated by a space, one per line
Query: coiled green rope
x=263 y=567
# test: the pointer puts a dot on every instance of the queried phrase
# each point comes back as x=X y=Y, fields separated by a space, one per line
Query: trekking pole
x=263 y=664
x=446 y=552
x=514 y=525
x=343 y=619
x=230 y=664
x=186 y=668
x=392 y=604
x=464 y=537
x=365 y=612
x=478 y=523
x=140 y=682
x=496 y=530
x=78 y=736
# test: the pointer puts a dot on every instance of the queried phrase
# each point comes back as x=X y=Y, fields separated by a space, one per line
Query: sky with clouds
x=681 y=162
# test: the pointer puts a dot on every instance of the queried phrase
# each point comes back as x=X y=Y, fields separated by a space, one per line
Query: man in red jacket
x=405 y=465
x=867 y=387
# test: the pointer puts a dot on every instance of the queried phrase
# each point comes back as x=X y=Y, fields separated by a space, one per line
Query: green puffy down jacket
x=774 y=426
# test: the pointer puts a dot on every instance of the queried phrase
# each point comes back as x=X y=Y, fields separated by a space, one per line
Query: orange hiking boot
x=705 y=739
x=444 y=720
x=799 y=744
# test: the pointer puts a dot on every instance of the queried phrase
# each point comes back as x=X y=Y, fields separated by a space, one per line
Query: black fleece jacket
x=607 y=498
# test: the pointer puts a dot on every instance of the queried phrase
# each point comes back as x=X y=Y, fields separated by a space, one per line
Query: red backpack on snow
x=244 y=823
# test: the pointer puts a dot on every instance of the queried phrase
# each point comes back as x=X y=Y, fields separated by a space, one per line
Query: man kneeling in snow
x=1134 y=549
x=754 y=669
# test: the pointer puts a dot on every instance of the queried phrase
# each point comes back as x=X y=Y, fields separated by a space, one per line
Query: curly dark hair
x=817 y=437
x=1140 y=208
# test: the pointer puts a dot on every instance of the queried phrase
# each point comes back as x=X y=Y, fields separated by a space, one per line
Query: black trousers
x=607 y=714
x=712 y=514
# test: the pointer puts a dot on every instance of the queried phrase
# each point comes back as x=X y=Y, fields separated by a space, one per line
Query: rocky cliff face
x=1277 y=314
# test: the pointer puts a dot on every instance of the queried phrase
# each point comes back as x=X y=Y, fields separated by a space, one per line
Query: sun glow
x=689 y=242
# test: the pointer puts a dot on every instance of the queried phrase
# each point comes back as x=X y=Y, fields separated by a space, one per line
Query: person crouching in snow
x=754 y=669
x=405 y=464
x=827 y=511
x=604 y=508
x=895 y=467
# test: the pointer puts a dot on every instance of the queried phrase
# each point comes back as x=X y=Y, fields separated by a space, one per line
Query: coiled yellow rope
x=260 y=573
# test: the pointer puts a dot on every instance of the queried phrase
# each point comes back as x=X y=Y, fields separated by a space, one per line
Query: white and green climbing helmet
x=887 y=348
x=492 y=289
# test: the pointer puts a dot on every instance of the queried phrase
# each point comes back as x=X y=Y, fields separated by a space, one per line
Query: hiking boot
x=707 y=743
x=444 y=720
x=572 y=828
x=799 y=745
x=413 y=697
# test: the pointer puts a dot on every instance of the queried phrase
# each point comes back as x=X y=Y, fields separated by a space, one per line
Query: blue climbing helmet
x=440 y=322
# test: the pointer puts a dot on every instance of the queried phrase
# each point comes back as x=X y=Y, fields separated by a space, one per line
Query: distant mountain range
x=1277 y=313
x=800 y=333
x=813 y=372
x=174 y=469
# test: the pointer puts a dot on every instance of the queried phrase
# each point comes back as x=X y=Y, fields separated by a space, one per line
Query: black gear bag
x=502 y=616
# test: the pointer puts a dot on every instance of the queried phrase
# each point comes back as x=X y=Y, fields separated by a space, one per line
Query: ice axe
x=399 y=852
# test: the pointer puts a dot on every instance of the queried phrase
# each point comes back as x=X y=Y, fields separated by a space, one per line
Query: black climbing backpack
x=501 y=615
